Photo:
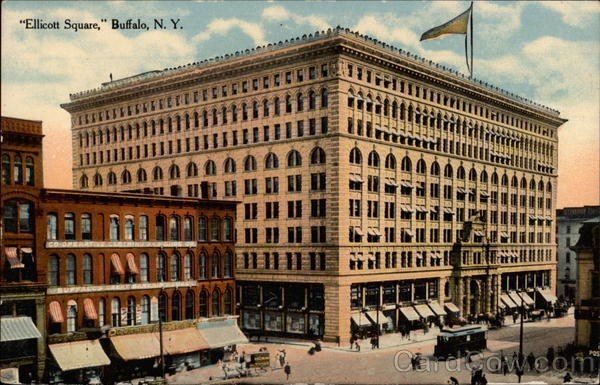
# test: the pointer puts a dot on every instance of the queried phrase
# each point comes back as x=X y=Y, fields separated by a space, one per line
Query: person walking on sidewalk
x=288 y=370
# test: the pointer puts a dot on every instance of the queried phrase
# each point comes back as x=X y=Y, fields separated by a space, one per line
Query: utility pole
x=520 y=359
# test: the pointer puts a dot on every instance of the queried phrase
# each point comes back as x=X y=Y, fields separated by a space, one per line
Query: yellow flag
x=458 y=25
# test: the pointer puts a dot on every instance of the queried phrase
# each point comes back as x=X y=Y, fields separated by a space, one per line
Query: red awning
x=131 y=264
x=11 y=257
x=55 y=311
x=90 y=310
x=116 y=262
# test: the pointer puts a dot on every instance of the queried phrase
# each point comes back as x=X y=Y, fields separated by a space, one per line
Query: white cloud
x=222 y=26
x=575 y=13
x=277 y=13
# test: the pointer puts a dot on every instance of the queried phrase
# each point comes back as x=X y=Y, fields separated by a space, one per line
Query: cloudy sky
x=545 y=51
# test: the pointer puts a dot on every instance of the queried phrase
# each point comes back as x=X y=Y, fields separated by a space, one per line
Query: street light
x=520 y=359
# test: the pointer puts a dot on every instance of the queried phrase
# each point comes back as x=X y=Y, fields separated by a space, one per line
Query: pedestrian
x=357 y=346
x=550 y=356
x=483 y=380
x=567 y=378
x=288 y=370
x=531 y=361
x=453 y=381
x=373 y=343
x=515 y=317
x=242 y=357
x=514 y=357
x=504 y=366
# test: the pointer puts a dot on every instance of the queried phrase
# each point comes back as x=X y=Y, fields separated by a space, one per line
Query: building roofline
x=317 y=36
x=145 y=197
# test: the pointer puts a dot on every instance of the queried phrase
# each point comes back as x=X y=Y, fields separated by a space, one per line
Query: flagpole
x=467 y=55
x=471 y=24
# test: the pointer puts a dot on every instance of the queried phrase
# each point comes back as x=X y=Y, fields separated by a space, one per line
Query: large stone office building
x=357 y=165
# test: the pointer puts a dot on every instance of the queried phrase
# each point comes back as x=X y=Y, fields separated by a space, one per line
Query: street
x=392 y=364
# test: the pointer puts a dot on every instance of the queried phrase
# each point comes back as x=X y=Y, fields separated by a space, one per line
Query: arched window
x=523 y=183
x=130 y=311
x=18 y=170
x=112 y=178
x=101 y=310
x=406 y=164
x=421 y=167
x=254 y=110
x=324 y=98
x=271 y=161
x=227 y=302
x=504 y=180
x=514 y=182
x=216 y=303
x=435 y=169
x=483 y=177
x=189 y=305
x=202 y=229
x=115 y=312
x=288 y=104
x=448 y=171
x=53 y=271
x=176 y=307
x=390 y=162
x=373 y=159
x=175 y=267
x=187 y=229
x=210 y=168
x=203 y=304
x=162 y=307
x=312 y=100
x=161 y=268
x=97 y=180
x=548 y=186
x=294 y=159
x=6 y=169
x=250 y=163
x=87 y=269
x=202 y=266
x=157 y=173
x=83 y=181
x=215 y=229
x=187 y=267
x=69 y=226
x=173 y=228
x=71 y=316
x=174 y=172
x=129 y=228
x=494 y=178
x=141 y=175
x=228 y=230
x=532 y=184
x=29 y=171
x=227 y=264
x=265 y=107
x=126 y=177
x=144 y=268
x=355 y=156
x=145 y=310
x=541 y=186
x=71 y=270
x=216 y=265
x=86 y=227
x=317 y=156
x=299 y=103
x=17 y=216
x=114 y=228
x=51 y=228
x=229 y=166
x=460 y=173
x=277 y=107
x=473 y=175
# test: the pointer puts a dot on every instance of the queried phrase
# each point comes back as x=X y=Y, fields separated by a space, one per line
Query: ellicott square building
x=376 y=186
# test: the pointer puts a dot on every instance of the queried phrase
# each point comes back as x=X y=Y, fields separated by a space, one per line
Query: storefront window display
x=251 y=319
x=315 y=324
x=295 y=323
x=273 y=321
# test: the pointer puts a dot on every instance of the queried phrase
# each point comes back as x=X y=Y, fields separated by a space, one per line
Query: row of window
x=170 y=125
x=406 y=165
x=73 y=270
x=450 y=124
x=293 y=261
x=177 y=146
x=130 y=312
x=418 y=91
x=214 y=92
x=20 y=172
x=165 y=228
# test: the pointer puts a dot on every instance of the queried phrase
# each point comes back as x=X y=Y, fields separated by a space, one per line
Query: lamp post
x=520 y=359
x=160 y=335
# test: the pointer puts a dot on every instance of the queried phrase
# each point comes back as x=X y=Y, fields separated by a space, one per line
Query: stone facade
x=394 y=154
x=569 y=222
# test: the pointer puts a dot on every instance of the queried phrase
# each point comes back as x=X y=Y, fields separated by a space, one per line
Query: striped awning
x=448 y=210
x=526 y=298
x=461 y=190
x=360 y=319
x=12 y=258
x=89 y=309
x=437 y=309
x=451 y=307
x=424 y=310
x=391 y=182
x=116 y=263
x=17 y=328
x=406 y=208
x=409 y=313
x=131 y=264
x=359 y=231
x=409 y=232
x=55 y=311
x=406 y=183
x=508 y=301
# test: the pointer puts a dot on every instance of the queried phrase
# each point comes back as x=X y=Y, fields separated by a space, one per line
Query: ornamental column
x=467 y=295
x=488 y=293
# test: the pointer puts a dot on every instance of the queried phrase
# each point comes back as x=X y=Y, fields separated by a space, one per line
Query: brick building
x=358 y=166
x=110 y=266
